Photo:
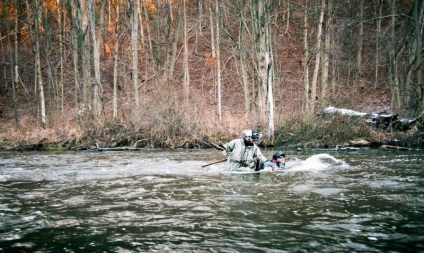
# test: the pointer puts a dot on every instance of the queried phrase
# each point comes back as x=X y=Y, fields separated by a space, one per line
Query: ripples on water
x=164 y=201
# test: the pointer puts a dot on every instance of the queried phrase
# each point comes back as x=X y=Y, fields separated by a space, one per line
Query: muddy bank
x=134 y=141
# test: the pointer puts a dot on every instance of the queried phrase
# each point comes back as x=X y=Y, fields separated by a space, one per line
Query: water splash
x=315 y=163
x=88 y=167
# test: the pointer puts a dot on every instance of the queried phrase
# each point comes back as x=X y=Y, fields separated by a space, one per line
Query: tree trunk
x=200 y=18
x=393 y=61
x=317 y=58
x=325 y=53
x=213 y=48
x=59 y=8
x=35 y=38
x=288 y=16
x=270 y=97
x=218 y=62
x=84 y=41
x=14 y=70
x=40 y=83
x=360 y=39
x=244 y=74
x=270 y=74
x=242 y=59
x=305 y=61
x=73 y=17
x=134 y=50
x=173 y=57
x=146 y=16
x=140 y=20
x=16 y=78
x=115 y=61
x=96 y=36
x=262 y=50
x=418 y=24
x=115 y=76
x=377 y=42
x=186 y=78
x=199 y=24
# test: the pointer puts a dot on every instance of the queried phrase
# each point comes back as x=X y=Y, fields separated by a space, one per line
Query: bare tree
x=78 y=17
x=218 y=61
x=146 y=17
x=14 y=60
x=16 y=67
x=73 y=17
x=305 y=61
x=261 y=48
x=360 y=38
x=134 y=50
x=325 y=53
x=60 y=7
x=186 y=78
x=418 y=16
x=213 y=40
x=115 y=58
x=379 y=5
x=96 y=36
x=240 y=51
x=84 y=50
x=173 y=57
x=317 y=58
x=33 y=19
x=269 y=74
x=243 y=69
x=393 y=60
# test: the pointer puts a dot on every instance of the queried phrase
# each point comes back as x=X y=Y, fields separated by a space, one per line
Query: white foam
x=100 y=167
x=317 y=162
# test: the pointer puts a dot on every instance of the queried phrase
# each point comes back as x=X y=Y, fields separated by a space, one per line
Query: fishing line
x=159 y=117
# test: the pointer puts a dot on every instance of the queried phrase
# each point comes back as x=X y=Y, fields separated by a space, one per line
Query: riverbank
x=335 y=132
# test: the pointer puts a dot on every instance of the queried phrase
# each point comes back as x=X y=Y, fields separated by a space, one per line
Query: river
x=164 y=201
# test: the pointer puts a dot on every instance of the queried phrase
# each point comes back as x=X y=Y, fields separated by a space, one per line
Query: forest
x=182 y=73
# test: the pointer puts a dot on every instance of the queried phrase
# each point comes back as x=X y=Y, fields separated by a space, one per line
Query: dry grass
x=330 y=131
x=181 y=129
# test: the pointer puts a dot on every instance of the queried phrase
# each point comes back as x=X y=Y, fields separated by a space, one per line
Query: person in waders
x=244 y=153
x=278 y=161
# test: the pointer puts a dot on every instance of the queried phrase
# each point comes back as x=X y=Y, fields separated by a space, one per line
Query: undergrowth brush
x=335 y=130
x=315 y=131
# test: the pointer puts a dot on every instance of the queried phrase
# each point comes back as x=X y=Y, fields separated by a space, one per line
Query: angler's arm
x=229 y=147
x=219 y=147
x=260 y=156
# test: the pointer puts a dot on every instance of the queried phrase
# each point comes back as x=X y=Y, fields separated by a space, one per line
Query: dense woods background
x=169 y=71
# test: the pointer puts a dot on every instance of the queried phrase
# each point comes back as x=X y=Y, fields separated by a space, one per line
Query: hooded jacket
x=242 y=155
x=274 y=164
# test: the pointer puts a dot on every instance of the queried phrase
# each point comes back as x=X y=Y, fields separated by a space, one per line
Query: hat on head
x=278 y=154
x=255 y=135
x=252 y=133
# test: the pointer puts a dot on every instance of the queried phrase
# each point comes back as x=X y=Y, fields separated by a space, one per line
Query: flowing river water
x=164 y=201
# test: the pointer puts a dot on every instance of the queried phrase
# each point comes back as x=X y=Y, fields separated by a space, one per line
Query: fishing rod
x=214 y=162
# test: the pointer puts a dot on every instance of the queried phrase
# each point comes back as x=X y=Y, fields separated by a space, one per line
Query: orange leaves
x=210 y=61
x=150 y=6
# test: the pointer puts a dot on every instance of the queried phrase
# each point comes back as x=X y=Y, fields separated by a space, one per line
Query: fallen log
x=395 y=147
x=382 y=120
x=343 y=111
x=365 y=143
x=360 y=143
